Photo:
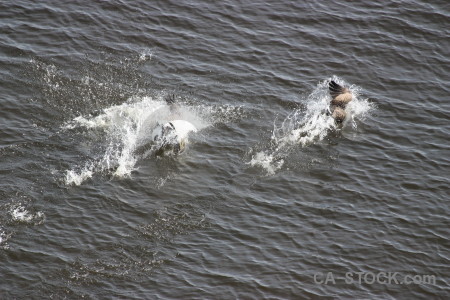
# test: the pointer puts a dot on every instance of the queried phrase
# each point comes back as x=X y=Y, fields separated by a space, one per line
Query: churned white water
x=309 y=125
x=126 y=130
x=126 y=127
x=20 y=213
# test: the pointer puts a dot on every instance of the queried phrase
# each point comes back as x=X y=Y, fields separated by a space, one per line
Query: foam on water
x=145 y=55
x=307 y=126
x=4 y=237
x=20 y=213
x=77 y=178
x=127 y=130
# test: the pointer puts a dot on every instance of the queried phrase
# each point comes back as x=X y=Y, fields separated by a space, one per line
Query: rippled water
x=269 y=195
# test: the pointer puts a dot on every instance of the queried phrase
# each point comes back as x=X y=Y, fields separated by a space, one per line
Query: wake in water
x=307 y=126
x=125 y=134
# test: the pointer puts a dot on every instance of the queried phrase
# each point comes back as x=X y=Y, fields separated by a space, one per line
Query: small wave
x=308 y=126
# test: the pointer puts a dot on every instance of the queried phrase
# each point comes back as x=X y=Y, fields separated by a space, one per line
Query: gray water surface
x=247 y=211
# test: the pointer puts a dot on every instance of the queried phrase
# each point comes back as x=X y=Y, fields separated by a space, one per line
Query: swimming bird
x=172 y=136
x=340 y=97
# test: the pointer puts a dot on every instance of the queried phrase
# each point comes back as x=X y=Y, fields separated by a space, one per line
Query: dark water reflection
x=368 y=198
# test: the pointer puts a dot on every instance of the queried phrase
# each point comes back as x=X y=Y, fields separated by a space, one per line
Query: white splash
x=20 y=213
x=76 y=178
x=267 y=161
x=307 y=126
x=126 y=129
